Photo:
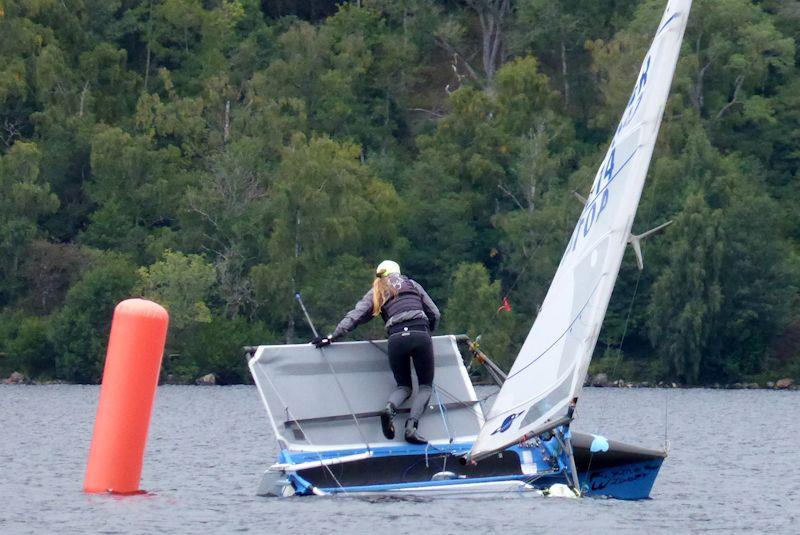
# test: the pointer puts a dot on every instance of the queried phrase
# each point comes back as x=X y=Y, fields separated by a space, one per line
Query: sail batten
x=549 y=370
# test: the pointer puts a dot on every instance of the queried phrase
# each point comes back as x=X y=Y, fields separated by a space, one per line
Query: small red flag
x=505 y=306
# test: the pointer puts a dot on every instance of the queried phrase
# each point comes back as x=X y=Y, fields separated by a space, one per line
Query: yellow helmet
x=387 y=267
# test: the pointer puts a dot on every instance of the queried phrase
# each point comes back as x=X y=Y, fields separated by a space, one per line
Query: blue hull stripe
x=443 y=483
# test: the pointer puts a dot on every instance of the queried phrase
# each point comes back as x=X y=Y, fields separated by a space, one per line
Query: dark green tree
x=687 y=296
x=24 y=197
x=79 y=331
x=473 y=309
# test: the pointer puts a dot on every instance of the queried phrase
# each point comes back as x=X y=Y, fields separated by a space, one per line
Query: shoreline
x=598 y=381
x=601 y=380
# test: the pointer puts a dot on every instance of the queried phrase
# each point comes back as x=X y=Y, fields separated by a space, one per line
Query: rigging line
x=666 y=419
x=625 y=327
x=346 y=399
x=427 y=460
x=588 y=469
x=468 y=405
x=496 y=317
x=444 y=418
x=521 y=273
x=650 y=209
x=333 y=372
x=297 y=422
x=471 y=406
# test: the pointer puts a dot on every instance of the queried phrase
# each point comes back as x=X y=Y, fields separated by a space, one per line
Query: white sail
x=548 y=373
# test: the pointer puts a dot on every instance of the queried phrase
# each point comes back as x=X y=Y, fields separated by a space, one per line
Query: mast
x=545 y=381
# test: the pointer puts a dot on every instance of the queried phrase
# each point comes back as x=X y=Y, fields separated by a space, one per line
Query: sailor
x=410 y=315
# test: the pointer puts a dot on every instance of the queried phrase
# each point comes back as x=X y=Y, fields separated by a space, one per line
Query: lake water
x=733 y=467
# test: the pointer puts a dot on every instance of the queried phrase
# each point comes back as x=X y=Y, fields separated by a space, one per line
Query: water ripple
x=731 y=469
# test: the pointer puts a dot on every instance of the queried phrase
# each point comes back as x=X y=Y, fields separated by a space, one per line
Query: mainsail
x=548 y=374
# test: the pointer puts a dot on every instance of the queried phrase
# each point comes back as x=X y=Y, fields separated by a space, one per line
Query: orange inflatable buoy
x=130 y=378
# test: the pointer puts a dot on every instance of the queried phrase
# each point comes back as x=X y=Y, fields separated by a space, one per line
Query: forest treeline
x=219 y=156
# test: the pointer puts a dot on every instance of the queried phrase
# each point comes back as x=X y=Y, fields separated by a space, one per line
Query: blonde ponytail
x=382 y=291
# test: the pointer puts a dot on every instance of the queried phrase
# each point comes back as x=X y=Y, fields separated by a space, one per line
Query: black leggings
x=403 y=348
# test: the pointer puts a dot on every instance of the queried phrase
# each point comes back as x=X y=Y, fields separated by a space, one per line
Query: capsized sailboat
x=324 y=404
x=324 y=408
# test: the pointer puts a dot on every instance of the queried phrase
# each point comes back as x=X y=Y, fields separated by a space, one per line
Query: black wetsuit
x=405 y=346
x=410 y=316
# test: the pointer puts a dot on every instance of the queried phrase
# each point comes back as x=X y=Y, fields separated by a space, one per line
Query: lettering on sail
x=617 y=158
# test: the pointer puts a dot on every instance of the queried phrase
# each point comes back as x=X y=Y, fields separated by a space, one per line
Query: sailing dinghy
x=324 y=404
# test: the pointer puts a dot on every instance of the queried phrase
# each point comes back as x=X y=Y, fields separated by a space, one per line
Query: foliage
x=182 y=284
x=472 y=309
x=222 y=156
x=216 y=347
x=687 y=296
x=324 y=201
x=23 y=199
x=26 y=346
x=79 y=331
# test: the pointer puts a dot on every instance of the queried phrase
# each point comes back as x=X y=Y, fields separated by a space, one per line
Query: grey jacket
x=362 y=313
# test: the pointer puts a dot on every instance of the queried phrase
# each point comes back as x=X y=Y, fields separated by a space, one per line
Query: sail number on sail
x=623 y=147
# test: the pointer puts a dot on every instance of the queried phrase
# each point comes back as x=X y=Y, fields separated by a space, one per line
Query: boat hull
x=325 y=407
x=622 y=471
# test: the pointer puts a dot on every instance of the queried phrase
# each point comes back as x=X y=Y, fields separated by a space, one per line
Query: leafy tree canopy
x=222 y=156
